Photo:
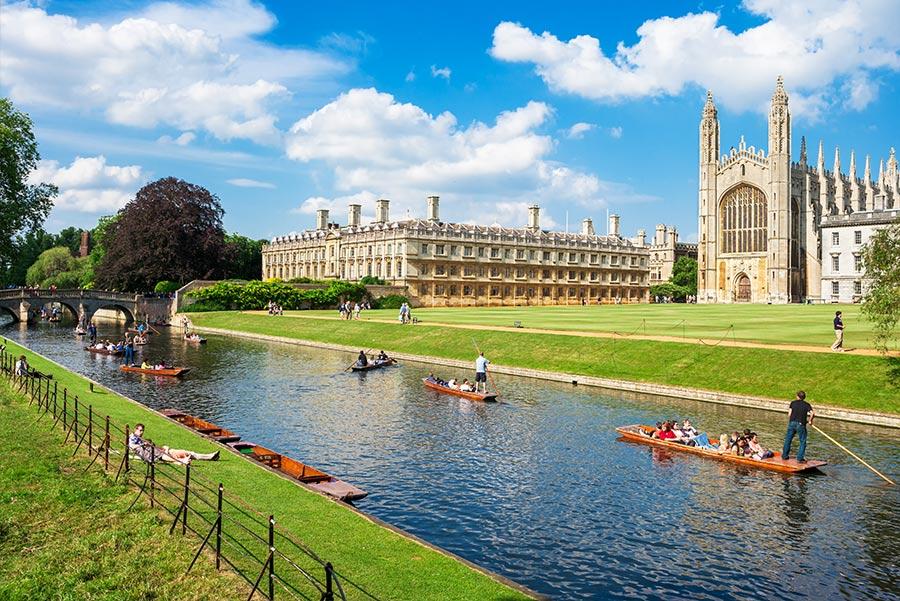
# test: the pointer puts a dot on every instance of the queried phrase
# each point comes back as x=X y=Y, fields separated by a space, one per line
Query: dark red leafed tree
x=172 y=230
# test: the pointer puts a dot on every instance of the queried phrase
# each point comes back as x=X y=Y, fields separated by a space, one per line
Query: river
x=537 y=487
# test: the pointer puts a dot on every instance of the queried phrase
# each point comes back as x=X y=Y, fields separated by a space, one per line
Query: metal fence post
x=271 y=557
x=219 y=527
x=106 y=447
x=328 y=595
x=127 y=449
x=65 y=416
x=75 y=419
x=55 y=386
x=90 y=432
x=187 y=491
x=152 y=474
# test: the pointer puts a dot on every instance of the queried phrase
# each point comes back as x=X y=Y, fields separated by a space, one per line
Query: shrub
x=256 y=295
x=669 y=289
x=202 y=306
x=391 y=301
x=371 y=280
x=166 y=286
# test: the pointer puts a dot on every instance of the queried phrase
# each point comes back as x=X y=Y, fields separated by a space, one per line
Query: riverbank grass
x=67 y=534
x=386 y=564
x=868 y=383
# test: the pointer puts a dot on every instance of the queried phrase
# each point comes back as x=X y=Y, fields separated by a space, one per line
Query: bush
x=256 y=295
x=202 y=306
x=371 y=280
x=166 y=287
x=669 y=289
x=391 y=301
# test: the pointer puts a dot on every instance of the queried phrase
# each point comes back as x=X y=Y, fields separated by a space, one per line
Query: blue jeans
x=800 y=430
x=129 y=356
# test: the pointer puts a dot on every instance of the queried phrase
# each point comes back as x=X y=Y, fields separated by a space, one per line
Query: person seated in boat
x=147 y=451
x=757 y=451
x=362 y=360
x=666 y=432
x=724 y=446
x=466 y=386
x=431 y=378
x=382 y=356
x=145 y=365
x=451 y=383
x=651 y=433
x=111 y=347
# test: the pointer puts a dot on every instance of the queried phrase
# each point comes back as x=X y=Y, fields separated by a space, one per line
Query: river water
x=537 y=487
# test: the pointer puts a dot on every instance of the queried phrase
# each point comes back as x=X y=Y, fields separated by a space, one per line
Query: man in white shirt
x=481 y=364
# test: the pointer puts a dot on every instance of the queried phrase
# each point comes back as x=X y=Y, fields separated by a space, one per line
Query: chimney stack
x=322 y=219
x=433 y=205
x=614 y=225
x=587 y=227
x=381 y=210
x=354 y=216
x=642 y=237
x=534 y=218
x=660 y=238
x=85 y=248
x=673 y=237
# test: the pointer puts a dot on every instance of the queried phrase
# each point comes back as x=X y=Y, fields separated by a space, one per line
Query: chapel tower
x=778 y=240
x=709 y=162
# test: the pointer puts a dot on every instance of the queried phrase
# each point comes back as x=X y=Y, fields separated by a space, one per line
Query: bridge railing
x=25 y=293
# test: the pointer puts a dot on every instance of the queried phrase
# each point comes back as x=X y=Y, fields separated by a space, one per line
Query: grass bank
x=809 y=325
x=68 y=534
x=384 y=563
x=856 y=382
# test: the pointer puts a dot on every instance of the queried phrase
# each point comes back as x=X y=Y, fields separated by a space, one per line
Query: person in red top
x=666 y=432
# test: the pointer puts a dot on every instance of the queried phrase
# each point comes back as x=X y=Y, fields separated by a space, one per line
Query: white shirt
x=481 y=365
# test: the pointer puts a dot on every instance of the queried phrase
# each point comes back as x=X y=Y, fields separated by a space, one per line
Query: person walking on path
x=481 y=364
x=838 y=345
x=800 y=413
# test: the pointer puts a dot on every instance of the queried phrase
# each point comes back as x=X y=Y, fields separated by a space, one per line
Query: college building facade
x=456 y=264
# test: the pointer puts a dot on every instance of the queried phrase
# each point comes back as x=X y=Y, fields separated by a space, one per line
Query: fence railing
x=23 y=293
x=251 y=543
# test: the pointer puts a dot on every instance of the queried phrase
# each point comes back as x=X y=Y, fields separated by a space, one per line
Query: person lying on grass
x=147 y=451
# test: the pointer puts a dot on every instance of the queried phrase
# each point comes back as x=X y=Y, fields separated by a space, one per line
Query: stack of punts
x=312 y=477
x=472 y=396
x=173 y=372
x=103 y=351
x=641 y=434
x=373 y=365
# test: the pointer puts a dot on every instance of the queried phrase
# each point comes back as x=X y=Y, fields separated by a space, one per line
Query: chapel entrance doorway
x=743 y=288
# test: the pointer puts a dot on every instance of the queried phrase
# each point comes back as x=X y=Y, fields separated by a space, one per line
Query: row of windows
x=836 y=263
x=521 y=272
x=836 y=237
x=836 y=287
x=453 y=290
x=441 y=250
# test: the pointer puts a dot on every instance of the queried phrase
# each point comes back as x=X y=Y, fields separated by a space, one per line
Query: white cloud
x=615 y=132
x=191 y=67
x=442 y=72
x=89 y=185
x=411 y=76
x=376 y=146
x=356 y=44
x=243 y=182
x=183 y=140
x=577 y=131
x=814 y=45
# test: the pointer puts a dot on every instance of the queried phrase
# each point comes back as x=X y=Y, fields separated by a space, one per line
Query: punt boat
x=472 y=396
x=195 y=340
x=166 y=371
x=641 y=434
x=310 y=476
x=103 y=351
x=373 y=365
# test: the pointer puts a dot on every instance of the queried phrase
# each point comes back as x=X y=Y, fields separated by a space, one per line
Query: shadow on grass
x=893 y=371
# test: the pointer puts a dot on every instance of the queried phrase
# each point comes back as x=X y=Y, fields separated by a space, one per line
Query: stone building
x=665 y=249
x=455 y=264
x=762 y=215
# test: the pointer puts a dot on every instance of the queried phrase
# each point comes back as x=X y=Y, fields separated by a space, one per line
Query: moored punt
x=103 y=351
x=472 y=396
x=195 y=340
x=639 y=433
x=373 y=365
x=310 y=476
x=166 y=371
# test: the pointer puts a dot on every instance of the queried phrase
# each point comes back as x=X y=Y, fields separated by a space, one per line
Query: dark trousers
x=800 y=430
x=129 y=356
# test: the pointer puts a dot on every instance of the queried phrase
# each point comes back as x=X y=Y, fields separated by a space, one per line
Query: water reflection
x=537 y=487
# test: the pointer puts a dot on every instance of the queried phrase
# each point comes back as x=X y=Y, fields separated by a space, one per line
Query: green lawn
x=841 y=380
x=67 y=534
x=789 y=324
x=386 y=564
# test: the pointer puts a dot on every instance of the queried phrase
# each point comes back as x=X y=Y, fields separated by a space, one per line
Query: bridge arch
x=94 y=307
x=49 y=301
x=7 y=310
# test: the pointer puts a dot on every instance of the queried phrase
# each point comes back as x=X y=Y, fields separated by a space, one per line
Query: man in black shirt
x=838 y=345
x=800 y=413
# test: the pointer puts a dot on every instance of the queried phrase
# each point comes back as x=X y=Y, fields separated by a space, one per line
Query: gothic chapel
x=761 y=216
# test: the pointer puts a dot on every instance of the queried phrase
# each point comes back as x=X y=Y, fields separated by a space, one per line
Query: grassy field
x=67 y=534
x=386 y=564
x=840 y=380
x=787 y=324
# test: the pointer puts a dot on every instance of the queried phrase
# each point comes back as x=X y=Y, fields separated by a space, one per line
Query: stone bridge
x=25 y=304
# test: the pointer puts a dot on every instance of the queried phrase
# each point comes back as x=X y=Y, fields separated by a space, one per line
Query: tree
x=71 y=239
x=243 y=257
x=172 y=230
x=49 y=264
x=684 y=274
x=881 y=304
x=23 y=206
x=28 y=248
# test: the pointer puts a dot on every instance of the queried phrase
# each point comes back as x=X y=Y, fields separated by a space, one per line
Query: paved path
x=712 y=342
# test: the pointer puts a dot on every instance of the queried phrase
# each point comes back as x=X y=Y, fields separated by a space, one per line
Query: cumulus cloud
x=816 y=46
x=615 y=132
x=440 y=72
x=89 y=185
x=243 y=182
x=377 y=146
x=577 y=131
x=193 y=66
x=183 y=140
x=411 y=76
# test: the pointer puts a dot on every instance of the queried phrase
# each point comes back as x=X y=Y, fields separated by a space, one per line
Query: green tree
x=49 y=264
x=881 y=304
x=23 y=206
x=243 y=257
x=684 y=274
x=71 y=239
x=28 y=248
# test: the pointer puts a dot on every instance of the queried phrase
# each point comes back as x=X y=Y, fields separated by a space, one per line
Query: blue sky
x=281 y=108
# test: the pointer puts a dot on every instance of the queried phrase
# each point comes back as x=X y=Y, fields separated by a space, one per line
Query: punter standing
x=481 y=364
x=800 y=414
x=838 y=345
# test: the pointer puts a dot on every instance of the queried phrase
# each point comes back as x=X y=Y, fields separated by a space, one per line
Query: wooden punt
x=635 y=433
x=373 y=365
x=312 y=477
x=472 y=396
x=168 y=371
x=103 y=351
x=195 y=341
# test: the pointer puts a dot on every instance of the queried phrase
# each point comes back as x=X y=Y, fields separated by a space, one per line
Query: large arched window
x=743 y=220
